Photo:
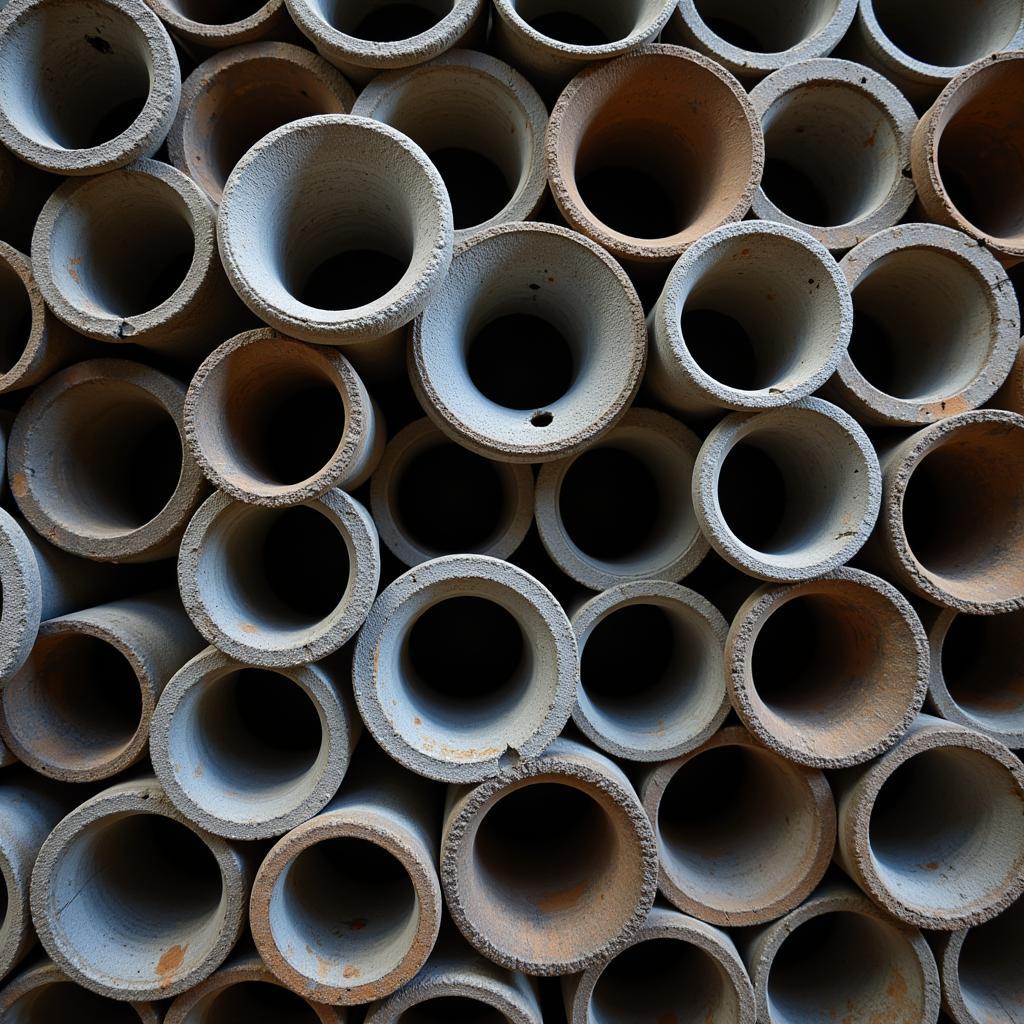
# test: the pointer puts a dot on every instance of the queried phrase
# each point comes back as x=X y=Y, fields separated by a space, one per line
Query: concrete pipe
x=23 y=190
x=1011 y=394
x=43 y=994
x=432 y=497
x=621 y=511
x=982 y=981
x=244 y=990
x=465 y=664
x=921 y=44
x=131 y=256
x=247 y=753
x=346 y=908
x=652 y=672
x=753 y=40
x=90 y=85
x=829 y=672
x=837 y=150
x=336 y=229
x=936 y=327
x=29 y=809
x=274 y=422
x=838 y=957
x=534 y=346
x=952 y=528
x=753 y=316
x=80 y=709
x=551 y=867
x=976 y=679
x=220 y=24
x=743 y=834
x=98 y=464
x=968 y=151
x=279 y=587
x=237 y=97
x=787 y=494
x=365 y=37
x=482 y=125
x=933 y=830
x=132 y=901
x=650 y=152
x=675 y=968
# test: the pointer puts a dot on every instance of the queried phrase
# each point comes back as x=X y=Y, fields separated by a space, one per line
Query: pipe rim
x=225 y=33
x=22 y=601
x=21 y=267
x=16 y=923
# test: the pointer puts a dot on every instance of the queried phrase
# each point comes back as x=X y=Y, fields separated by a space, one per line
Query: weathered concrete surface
x=216 y=26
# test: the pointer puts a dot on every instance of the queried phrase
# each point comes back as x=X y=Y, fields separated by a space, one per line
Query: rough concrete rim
x=34 y=349
x=22 y=603
x=16 y=920
x=226 y=34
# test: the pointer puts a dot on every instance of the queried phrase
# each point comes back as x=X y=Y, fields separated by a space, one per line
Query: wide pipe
x=219 y=24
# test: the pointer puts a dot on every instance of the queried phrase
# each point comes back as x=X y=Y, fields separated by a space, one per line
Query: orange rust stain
x=930 y=866
x=871 y=139
x=744 y=252
x=19 y=485
x=897 y=987
x=72 y=263
x=417 y=720
x=564 y=899
x=248 y=627
x=169 y=963
x=357 y=924
x=350 y=972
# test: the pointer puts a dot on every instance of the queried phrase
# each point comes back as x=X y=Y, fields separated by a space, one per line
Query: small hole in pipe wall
x=542 y=419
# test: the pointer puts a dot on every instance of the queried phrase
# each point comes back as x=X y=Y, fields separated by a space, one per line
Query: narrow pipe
x=220 y=24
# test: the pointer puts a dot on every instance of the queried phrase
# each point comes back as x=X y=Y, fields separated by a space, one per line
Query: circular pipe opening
x=588 y=23
x=379 y=21
x=768 y=27
x=255 y=1002
x=452 y=1010
x=216 y=12
x=66 y=1001
x=15 y=319
x=988 y=969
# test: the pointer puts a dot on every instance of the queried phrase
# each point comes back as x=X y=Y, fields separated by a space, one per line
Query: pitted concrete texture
x=529 y=278
x=98 y=465
x=791 y=320
x=1011 y=394
x=465 y=665
x=651 y=112
x=675 y=968
x=432 y=497
x=306 y=205
x=131 y=256
x=71 y=65
x=830 y=672
x=215 y=27
x=933 y=830
x=361 y=41
x=80 y=708
x=774 y=34
x=469 y=102
x=236 y=97
x=652 y=681
x=22 y=604
x=272 y=421
x=743 y=834
x=811 y=473
x=842 y=132
x=279 y=587
x=216 y=743
x=551 y=867
x=132 y=901
x=838 y=956
x=943 y=328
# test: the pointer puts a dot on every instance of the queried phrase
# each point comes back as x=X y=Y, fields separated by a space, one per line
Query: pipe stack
x=512 y=512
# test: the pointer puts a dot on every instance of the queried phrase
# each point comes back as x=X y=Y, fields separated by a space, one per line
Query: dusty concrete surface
x=216 y=26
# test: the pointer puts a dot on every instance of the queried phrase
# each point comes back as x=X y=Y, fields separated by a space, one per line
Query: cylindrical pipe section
x=98 y=463
x=787 y=494
x=465 y=663
x=933 y=830
x=133 y=901
x=279 y=587
x=80 y=709
x=839 y=957
x=530 y=859
x=837 y=151
x=652 y=671
x=534 y=346
x=218 y=24
x=238 y=96
x=250 y=753
x=753 y=316
x=482 y=125
x=743 y=834
x=651 y=151
x=272 y=421
x=90 y=85
x=829 y=672
x=675 y=968
x=432 y=497
x=1011 y=394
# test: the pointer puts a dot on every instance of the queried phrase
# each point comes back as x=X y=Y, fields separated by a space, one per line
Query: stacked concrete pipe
x=222 y=24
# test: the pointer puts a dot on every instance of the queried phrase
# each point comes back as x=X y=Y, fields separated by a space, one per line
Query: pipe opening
x=962 y=512
x=476 y=185
x=663 y=980
x=845 y=966
x=149 y=899
x=254 y=1002
x=452 y=1010
x=586 y=23
x=983 y=669
x=770 y=27
x=345 y=912
x=949 y=33
x=63 y=1001
x=831 y=154
x=737 y=828
x=989 y=973
x=947 y=830
x=381 y=22
x=216 y=12
x=15 y=318
x=351 y=278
